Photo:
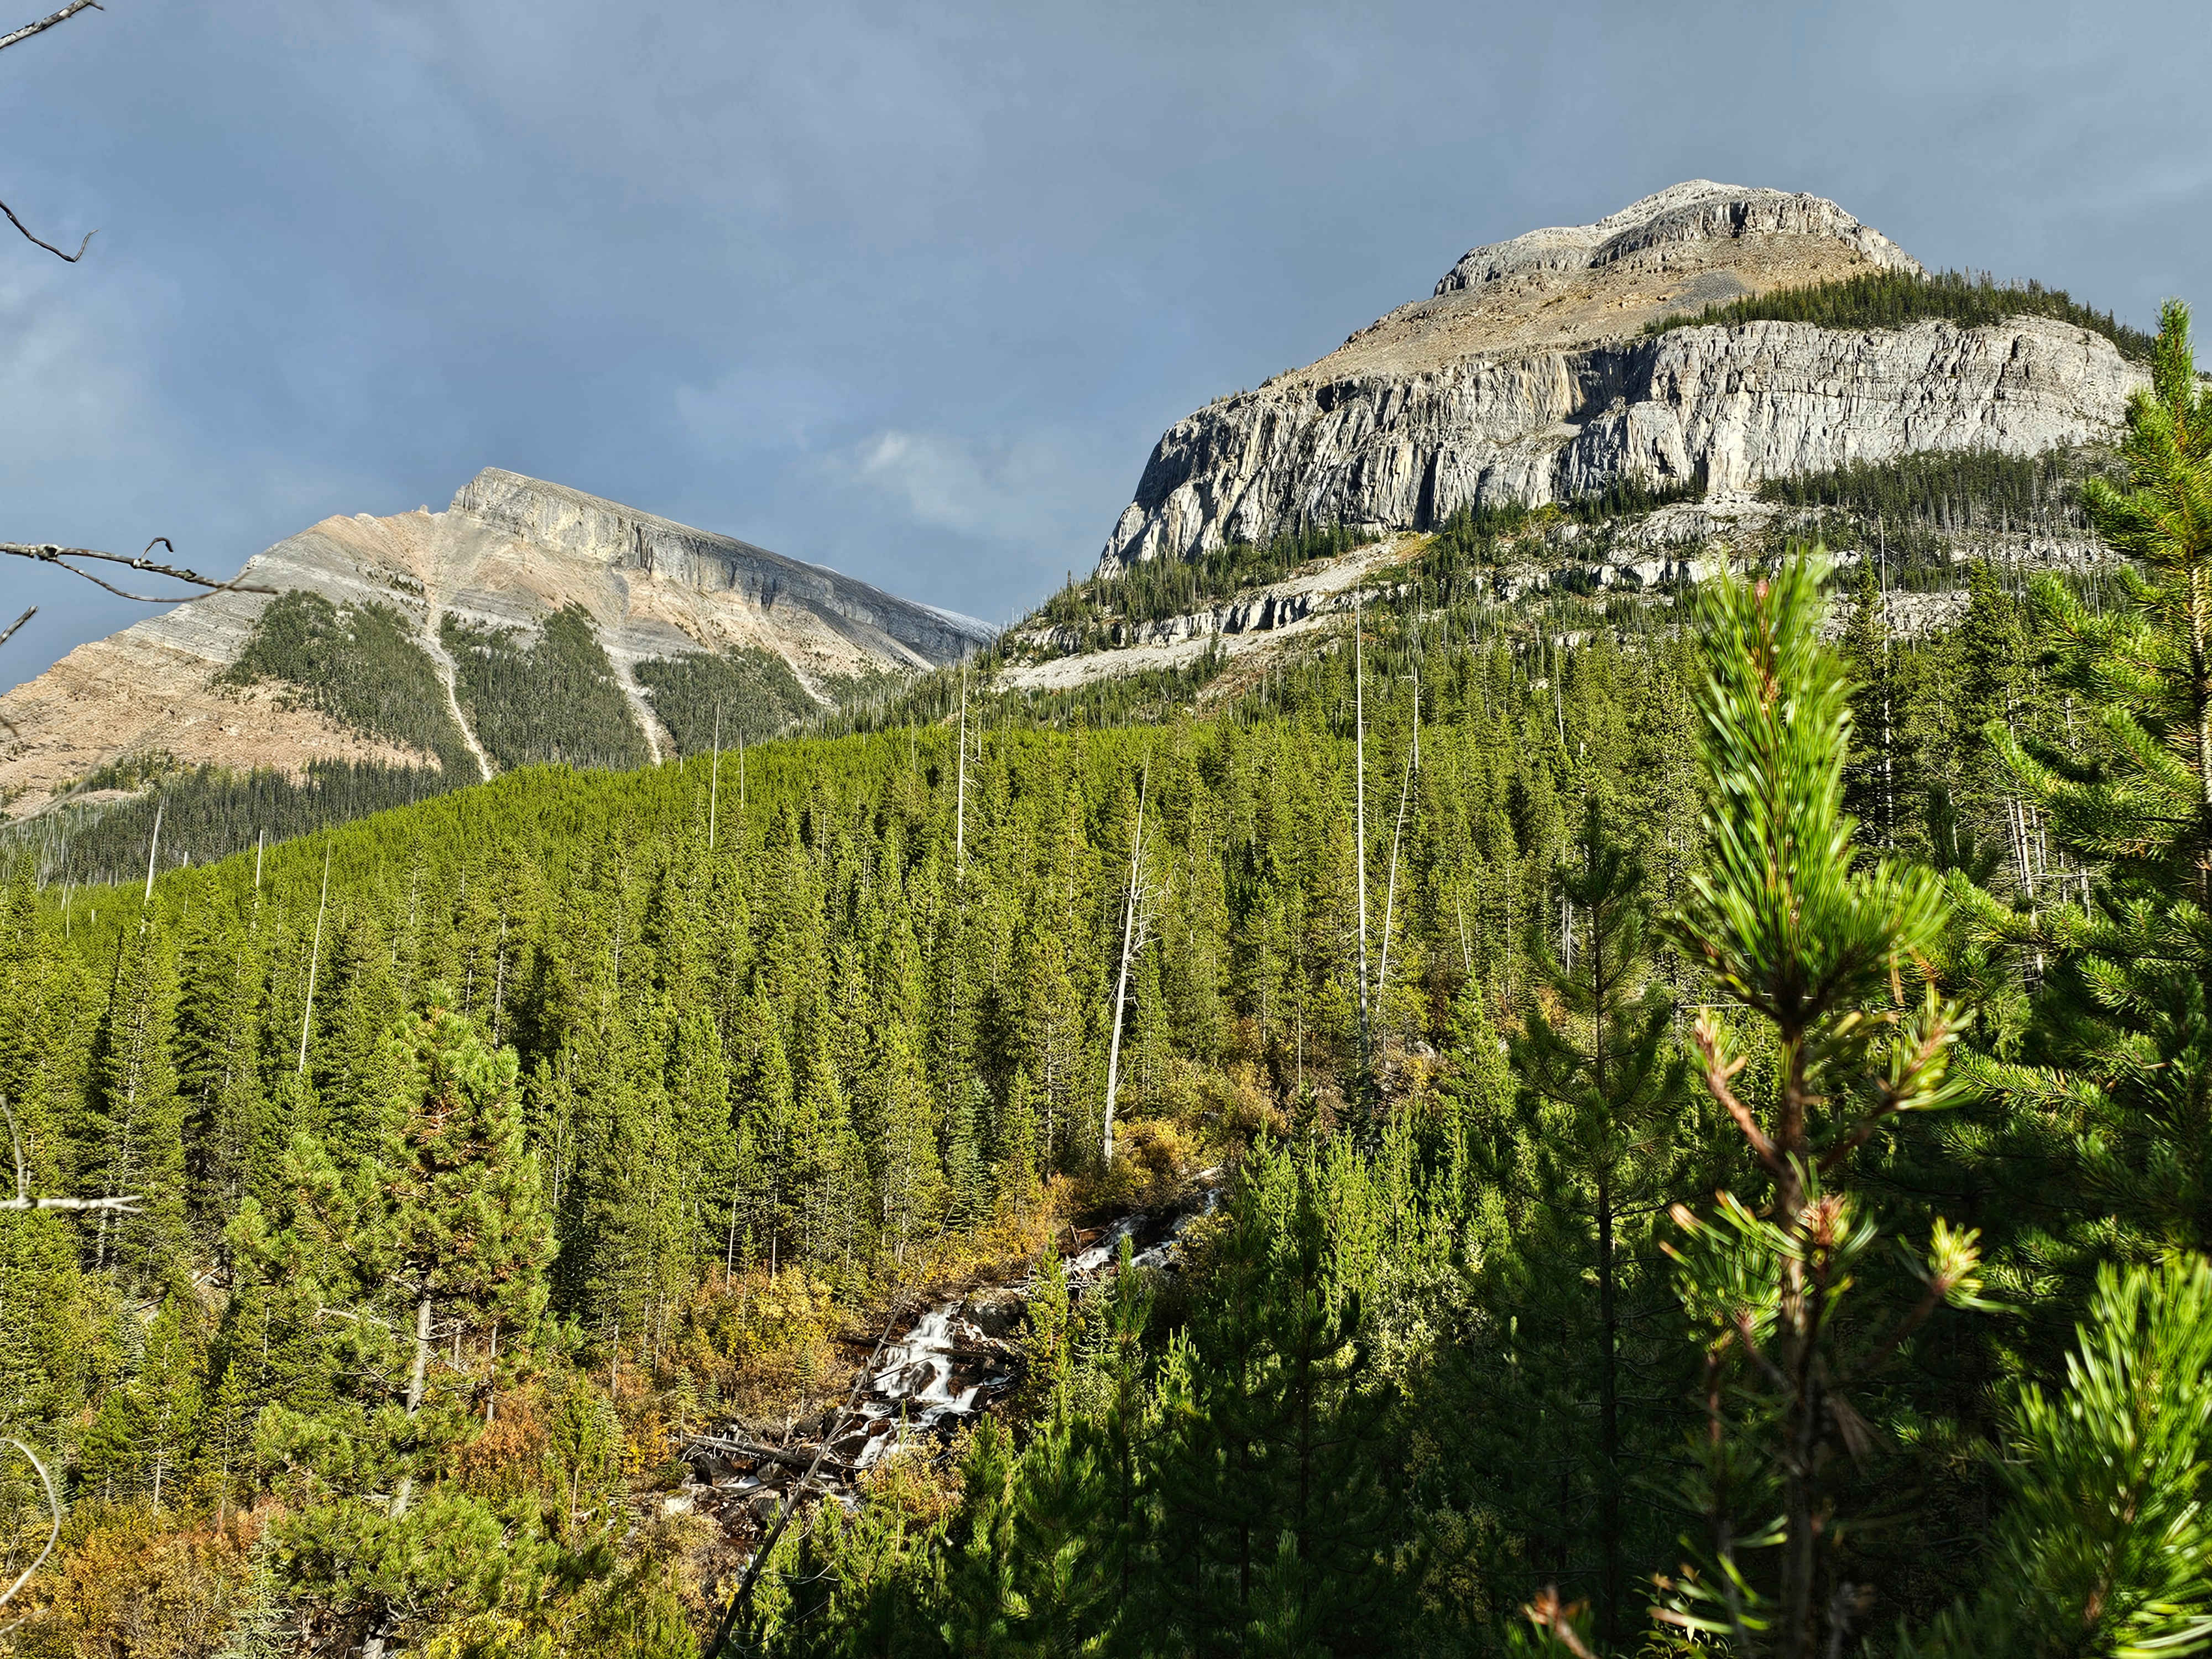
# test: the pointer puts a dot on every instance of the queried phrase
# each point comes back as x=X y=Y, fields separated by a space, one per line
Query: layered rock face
x=876 y=625
x=1527 y=378
x=1692 y=215
x=507 y=552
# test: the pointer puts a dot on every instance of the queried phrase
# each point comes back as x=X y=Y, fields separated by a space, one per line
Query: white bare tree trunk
x=1128 y=950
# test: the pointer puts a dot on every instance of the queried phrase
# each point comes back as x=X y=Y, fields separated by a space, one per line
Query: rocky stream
x=956 y=1361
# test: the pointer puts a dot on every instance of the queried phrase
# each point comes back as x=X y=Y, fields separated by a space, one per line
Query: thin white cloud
x=1005 y=492
x=760 y=406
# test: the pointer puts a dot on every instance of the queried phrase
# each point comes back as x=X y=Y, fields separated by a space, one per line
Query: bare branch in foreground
x=13 y=730
x=124 y=1204
x=49 y=553
x=14 y=36
x=71 y=257
x=53 y=1535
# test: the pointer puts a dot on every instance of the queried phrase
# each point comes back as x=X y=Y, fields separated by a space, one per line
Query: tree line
x=1898 y=298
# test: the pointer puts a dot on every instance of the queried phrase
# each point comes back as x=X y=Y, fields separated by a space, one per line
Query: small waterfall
x=1109 y=1245
x=957 y=1357
x=917 y=1374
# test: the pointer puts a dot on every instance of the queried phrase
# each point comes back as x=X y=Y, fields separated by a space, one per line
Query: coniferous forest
x=1694 y=1136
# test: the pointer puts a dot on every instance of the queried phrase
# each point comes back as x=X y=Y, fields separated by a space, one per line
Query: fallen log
x=801 y=1458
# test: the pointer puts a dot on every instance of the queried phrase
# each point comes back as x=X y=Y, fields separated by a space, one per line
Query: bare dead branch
x=53 y=1535
x=124 y=1204
x=13 y=730
x=16 y=37
x=40 y=241
x=801 y=1460
x=49 y=553
x=45 y=23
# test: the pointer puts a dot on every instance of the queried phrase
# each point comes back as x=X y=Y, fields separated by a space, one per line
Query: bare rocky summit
x=507 y=552
x=1694 y=216
x=1526 y=377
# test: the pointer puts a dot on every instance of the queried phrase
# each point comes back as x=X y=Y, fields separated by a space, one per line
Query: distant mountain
x=526 y=622
x=1558 y=366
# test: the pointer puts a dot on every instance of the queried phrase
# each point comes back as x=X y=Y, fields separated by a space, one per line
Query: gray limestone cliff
x=621 y=538
x=1527 y=378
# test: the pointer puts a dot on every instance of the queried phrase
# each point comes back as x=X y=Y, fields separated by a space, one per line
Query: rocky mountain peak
x=509 y=553
x=1682 y=217
x=553 y=515
x=1543 y=367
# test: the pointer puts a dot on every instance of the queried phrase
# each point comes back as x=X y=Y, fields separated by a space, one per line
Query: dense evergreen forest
x=1714 y=1124
x=1897 y=299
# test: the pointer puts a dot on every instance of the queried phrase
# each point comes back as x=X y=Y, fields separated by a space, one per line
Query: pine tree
x=2126 y=1022
x=1269 y=1418
x=766 y=1104
x=351 y=1064
x=1017 y=1165
x=901 y=1133
x=2105 y=1546
x=967 y=1188
x=908 y=1184
x=218 y=1030
x=826 y=1163
x=133 y=1135
x=1871 y=779
x=440 y=1236
x=1817 y=950
x=144 y=1440
x=1602 y=1064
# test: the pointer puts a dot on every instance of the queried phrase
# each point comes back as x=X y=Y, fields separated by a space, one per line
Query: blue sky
x=910 y=290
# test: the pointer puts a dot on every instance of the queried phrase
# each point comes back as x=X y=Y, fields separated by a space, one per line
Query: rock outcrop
x=1526 y=377
x=507 y=552
x=1687 y=216
x=874 y=626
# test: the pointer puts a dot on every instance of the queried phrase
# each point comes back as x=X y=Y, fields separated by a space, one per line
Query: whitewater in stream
x=913 y=1390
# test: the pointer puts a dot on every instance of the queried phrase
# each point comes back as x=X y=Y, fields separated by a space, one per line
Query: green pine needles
x=2126 y=1048
x=1818 y=950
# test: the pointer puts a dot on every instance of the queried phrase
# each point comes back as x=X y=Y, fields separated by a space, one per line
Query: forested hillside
x=1713 y=1122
